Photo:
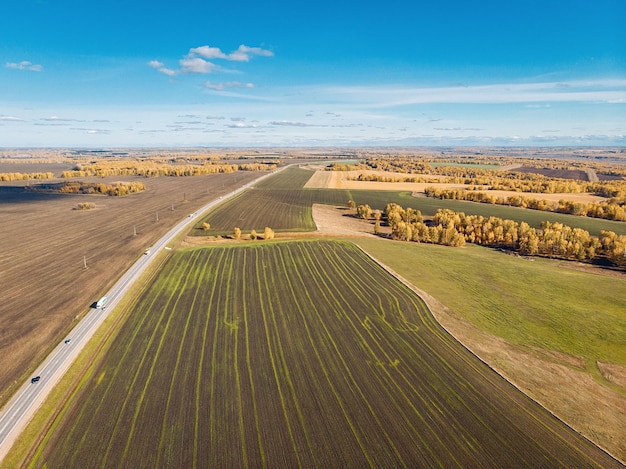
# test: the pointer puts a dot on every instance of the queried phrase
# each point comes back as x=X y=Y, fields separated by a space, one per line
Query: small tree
x=351 y=204
x=206 y=226
x=253 y=234
x=268 y=233
x=364 y=211
x=377 y=226
x=237 y=233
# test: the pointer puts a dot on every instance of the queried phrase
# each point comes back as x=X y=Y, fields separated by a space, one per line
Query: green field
x=296 y=354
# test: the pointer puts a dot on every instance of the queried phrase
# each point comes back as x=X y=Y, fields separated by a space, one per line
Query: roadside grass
x=530 y=303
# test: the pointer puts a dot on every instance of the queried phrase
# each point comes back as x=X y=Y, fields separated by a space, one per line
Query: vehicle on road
x=35 y=379
x=101 y=302
x=67 y=341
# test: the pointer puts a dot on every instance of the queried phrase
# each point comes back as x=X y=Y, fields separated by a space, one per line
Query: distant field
x=465 y=165
x=283 y=204
x=296 y=354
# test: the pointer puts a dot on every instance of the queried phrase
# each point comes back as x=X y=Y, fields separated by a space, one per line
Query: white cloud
x=10 y=119
x=24 y=65
x=243 y=53
x=160 y=66
x=196 y=65
x=194 y=61
x=207 y=52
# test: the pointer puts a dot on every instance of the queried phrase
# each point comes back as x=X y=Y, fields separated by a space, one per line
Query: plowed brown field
x=44 y=242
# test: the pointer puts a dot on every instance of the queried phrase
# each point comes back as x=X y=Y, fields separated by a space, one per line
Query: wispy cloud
x=160 y=66
x=242 y=54
x=229 y=84
x=11 y=119
x=606 y=91
x=292 y=124
x=24 y=65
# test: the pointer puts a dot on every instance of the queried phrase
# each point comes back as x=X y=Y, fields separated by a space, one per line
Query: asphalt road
x=20 y=409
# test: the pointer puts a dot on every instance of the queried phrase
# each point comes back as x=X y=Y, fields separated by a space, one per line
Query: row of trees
x=153 y=169
x=551 y=239
x=268 y=233
x=25 y=176
x=115 y=189
x=611 y=209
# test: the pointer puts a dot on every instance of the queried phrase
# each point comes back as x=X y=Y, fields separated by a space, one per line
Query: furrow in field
x=307 y=315
x=261 y=462
x=378 y=393
x=265 y=304
x=148 y=430
x=172 y=429
x=206 y=309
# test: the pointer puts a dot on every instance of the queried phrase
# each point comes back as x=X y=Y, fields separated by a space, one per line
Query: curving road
x=20 y=409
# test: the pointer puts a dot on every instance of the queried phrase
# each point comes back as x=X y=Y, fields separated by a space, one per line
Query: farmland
x=295 y=354
x=284 y=204
x=46 y=244
x=249 y=361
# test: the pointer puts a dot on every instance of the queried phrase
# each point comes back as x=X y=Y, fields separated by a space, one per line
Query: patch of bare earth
x=559 y=382
x=614 y=373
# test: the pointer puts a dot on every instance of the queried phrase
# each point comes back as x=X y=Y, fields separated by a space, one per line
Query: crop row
x=296 y=354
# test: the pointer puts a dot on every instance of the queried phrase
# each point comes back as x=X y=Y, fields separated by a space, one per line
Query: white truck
x=101 y=302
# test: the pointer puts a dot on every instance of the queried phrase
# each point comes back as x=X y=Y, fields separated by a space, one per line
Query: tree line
x=610 y=209
x=456 y=229
x=152 y=169
x=115 y=189
x=25 y=176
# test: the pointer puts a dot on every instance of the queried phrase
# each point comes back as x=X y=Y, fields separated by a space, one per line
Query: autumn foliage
x=551 y=239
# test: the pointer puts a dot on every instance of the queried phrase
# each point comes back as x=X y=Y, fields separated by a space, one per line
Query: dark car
x=67 y=341
x=35 y=379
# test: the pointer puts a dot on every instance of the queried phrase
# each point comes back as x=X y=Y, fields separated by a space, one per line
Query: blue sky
x=201 y=73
